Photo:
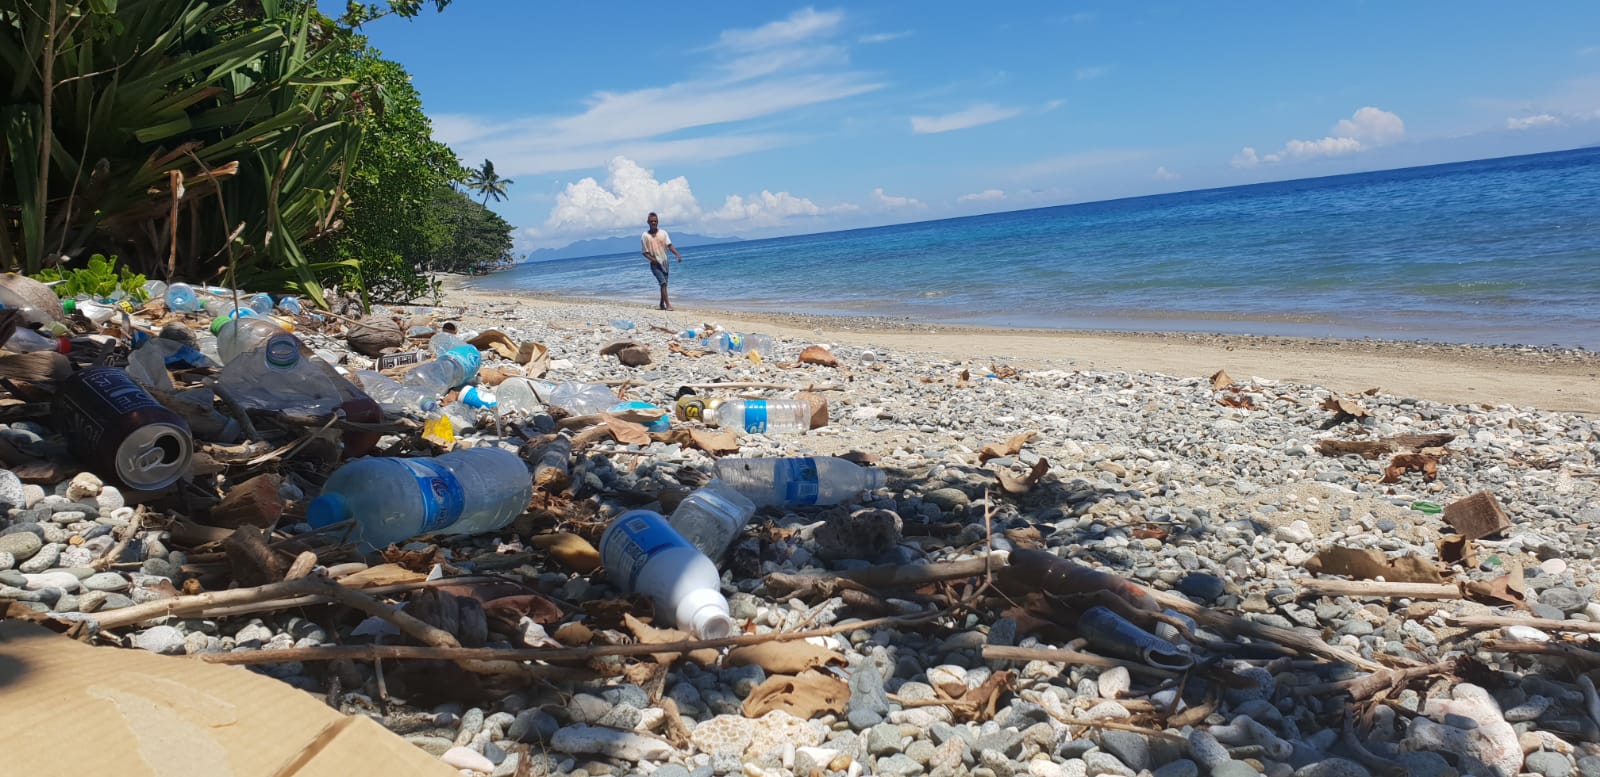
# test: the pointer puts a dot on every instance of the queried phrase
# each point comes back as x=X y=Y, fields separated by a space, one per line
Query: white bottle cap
x=705 y=612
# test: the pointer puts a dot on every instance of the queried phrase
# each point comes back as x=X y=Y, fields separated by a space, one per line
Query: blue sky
x=762 y=119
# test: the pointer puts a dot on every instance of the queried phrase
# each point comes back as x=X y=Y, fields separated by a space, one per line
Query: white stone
x=1527 y=633
x=1114 y=682
x=467 y=758
x=65 y=581
x=84 y=485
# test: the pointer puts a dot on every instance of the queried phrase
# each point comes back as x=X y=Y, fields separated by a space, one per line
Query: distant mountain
x=626 y=244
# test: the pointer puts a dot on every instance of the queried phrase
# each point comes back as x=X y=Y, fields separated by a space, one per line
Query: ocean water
x=1500 y=251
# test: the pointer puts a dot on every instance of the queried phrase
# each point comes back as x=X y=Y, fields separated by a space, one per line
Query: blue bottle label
x=801 y=484
x=755 y=416
x=630 y=543
x=443 y=498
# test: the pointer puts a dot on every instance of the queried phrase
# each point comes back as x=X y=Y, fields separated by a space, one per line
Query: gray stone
x=1103 y=763
x=1234 y=769
x=1425 y=763
x=884 y=739
x=1333 y=767
x=1201 y=586
x=1182 y=767
x=900 y=765
x=1566 y=600
x=106 y=581
x=1589 y=766
x=11 y=493
x=13 y=578
x=1129 y=748
x=161 y=639
x=116 y=602
x=744 y=679
x=22 y=545
x=1548 y=763
x=862 y=720
x=948 y=499
x=670 y=770
x=7 y=561
x=867 y=692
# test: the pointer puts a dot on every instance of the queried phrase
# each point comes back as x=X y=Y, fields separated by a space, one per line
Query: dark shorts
x=660 y=271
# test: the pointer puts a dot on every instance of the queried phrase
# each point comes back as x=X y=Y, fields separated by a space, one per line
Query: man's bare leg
x=665 y=304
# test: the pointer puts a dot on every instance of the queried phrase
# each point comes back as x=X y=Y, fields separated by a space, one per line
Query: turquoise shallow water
x=1492 y=251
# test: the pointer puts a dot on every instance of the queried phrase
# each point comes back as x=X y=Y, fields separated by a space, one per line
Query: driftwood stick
x=128 y=533
x=1379 y=589
x=1362 y=687
x=1237 y=626
x=1503 y=621
x=1120 y=726
x=183 y=605
x=1057 y=655
x=1558 y=649
x=890 y=575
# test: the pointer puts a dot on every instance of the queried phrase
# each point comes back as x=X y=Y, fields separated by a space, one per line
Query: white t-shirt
x=656 y=245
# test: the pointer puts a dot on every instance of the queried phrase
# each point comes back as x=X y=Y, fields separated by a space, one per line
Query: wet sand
x=1553 y=379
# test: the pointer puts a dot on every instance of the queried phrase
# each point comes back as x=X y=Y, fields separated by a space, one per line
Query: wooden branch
x=1557 y=649
x=128 y=533
x=1379 y=589
x=1057 y=655
x=1237 y=626
x=1503 y=621
x=1363 y=687
x=888 y=575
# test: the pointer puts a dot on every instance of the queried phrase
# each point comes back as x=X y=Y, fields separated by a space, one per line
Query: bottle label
x=443 y=498
x=628 y=546
x=801 y=485
x=755 y=416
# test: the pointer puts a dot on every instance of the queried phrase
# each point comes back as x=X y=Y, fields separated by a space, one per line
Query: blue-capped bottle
x=810 y=480
x=455 y=363
x=642 y=553
x=762 y=416
x=392 y=500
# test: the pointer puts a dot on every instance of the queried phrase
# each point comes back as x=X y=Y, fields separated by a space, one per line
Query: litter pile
x=532 y=547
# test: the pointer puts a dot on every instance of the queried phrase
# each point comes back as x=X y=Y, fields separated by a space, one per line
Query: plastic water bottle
x=235 y=335
x=820 y=480
x=93 y=311
x=522 y=395
x=277 y=376
x=26 y=340
x=291 y=305
x=761 y=344
x=394 y=499
x=583 y=398
x=455 y=363
x=644 y=554
x=260 y=302
x=764 y=416
x=621 y=323
x=393 y=396
x=711 y=517
x=181 y=298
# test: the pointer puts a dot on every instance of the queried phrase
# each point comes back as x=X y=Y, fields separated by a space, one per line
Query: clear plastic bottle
x=583 y=398
x=761 y=344
x=26 y=340
x=763 y=416
x=277 y=376
x=522 y=395
x=711 y=517
x=644 y=554
x=291 y=306
x=455 y=363
x=91 y=310
x=235 y=335
x=260 y=302
x=393 y=396
x=819 y=480
x=394 y=499
x=181 y=298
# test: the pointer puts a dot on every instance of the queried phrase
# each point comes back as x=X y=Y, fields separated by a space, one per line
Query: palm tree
x=488 y=183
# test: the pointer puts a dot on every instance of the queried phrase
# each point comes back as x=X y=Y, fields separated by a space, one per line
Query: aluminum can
x=117 y=430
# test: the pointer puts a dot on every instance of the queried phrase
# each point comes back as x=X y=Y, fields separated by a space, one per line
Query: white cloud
x=883 y=37
x=987 y=195
x=1163 y=174
x=801 y=25
x=1588 y=51
x=1088 y=73
x=588 y=207
x=750 y=75
x=976 y=116
x=1365 y=129
x=892 y=202
x=763 y=210
x=1529 y=122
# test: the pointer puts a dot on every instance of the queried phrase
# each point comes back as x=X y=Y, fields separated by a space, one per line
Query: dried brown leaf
x=1370 y=564
x=1408 y=462
x=783 y=657
x=816 y=354
x=714 y=443
x=1017 y=486
x=1220 y=380
x=1345 y=406
x=382 y=574
x=1009 y=448
x=804 y=696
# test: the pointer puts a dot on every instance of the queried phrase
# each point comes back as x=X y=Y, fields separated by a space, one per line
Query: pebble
x=1548 y=764
x=608 y=742
x=12 y=493
x=467 y=758
x=21 y=545
x=165 y=640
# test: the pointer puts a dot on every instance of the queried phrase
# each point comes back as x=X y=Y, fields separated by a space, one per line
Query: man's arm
x=674 y=250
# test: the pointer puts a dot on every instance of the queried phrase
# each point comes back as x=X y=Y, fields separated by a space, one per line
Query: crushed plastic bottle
x=392 y=500
x=819 y=480
x=26 y=340
x=393 y=396
x=182 y=298
x=583 y=398
x=235 y=335
x=522 y=395
x=711 y=517
x=277 y=376
x=291 y=305
x=454 y=364
x=644 y=554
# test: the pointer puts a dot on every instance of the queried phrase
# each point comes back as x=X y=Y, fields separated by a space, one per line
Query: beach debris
x=816 y=354
x=1220 y=380
x=1010 y=447
x=1017 y=486
x=375 y=336
x=819 y=408
x=1401 y=464
x=805 y=695
x=627 y=352
x=1372 y=564
x=1344 y=410
x=1477 y=516
x=783 y=657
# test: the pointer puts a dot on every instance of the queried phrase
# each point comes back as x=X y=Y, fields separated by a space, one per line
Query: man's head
x=652 y=221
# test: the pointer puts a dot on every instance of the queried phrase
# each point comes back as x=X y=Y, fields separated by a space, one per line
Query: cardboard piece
x=156 y=715
x=1477 y=516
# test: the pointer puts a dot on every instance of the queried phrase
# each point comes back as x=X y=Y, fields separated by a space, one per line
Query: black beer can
x=116 y=429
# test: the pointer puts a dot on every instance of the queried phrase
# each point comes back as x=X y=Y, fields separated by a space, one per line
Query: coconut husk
x=36 y=367
x=372 y=337
x=31 y=293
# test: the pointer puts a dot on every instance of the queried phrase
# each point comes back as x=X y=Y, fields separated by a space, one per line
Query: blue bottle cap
x=326 y=510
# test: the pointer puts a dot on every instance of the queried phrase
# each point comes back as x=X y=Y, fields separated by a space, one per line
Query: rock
x=106 y=581
x=900 y=765
x=11 y=491
x=21 y=545
x=1129 y=748
x=867 y=692
x=165 y=640
x=534 y=726
x=1182 y=767
x=1104 y=763
x=1333 y=767
x=948 y=499
x=1566 y=600
x=85 y=485
x=467 y=758
x=864 y=534
x=1234 y=769
x=65 y=581
x=1114 y=682
x=1548 y=763
x=609 y=742
x=1203 y=587
x=44 y=559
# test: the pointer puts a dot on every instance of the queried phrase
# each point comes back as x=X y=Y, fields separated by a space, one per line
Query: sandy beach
x=1558 y=380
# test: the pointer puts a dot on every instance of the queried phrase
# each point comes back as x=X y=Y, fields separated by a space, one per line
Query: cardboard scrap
x=816 y=354
x=1010 y=448
x=1220 y=380
x=1344 y=407
x=153 y=714
x=783 y=657
x=1370 y=564
x=819 y=408
x=1477 y=516
x=1402 y=463
x=805 y=695
x=1509 y=588
x=714 y=443
x=1017 y=486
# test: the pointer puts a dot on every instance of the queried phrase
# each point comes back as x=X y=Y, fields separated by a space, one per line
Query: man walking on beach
x=655 y=243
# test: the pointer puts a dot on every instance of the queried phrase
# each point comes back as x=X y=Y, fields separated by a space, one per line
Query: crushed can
x=690 y=408
x=116 y=429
